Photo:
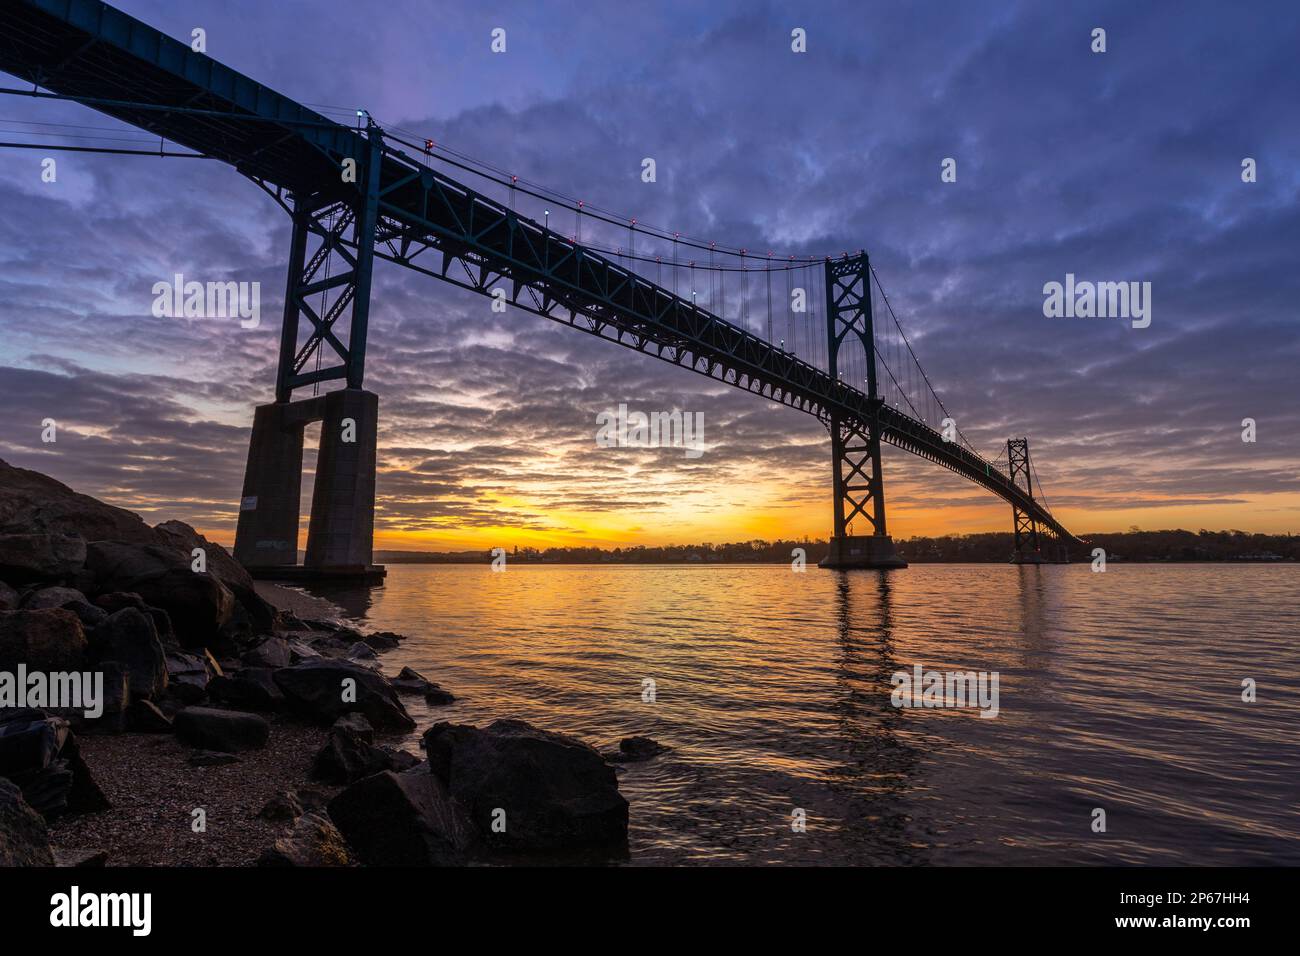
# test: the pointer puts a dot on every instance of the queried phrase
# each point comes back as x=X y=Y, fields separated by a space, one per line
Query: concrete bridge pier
x=340 y=536
x=862 y=551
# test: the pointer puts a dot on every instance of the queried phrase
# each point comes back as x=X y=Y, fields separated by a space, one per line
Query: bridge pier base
x=1028 y=557
x=862 y=551
x=340 y=536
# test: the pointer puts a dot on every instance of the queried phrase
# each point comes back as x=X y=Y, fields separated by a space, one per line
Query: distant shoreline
x=761 y=563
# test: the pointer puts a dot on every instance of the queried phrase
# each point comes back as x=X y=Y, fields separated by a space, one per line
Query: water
x=1119 y=690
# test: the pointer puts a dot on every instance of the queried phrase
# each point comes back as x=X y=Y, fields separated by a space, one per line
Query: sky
x=1123 y=165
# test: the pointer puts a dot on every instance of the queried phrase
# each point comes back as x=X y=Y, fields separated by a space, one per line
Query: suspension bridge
x=357 y=191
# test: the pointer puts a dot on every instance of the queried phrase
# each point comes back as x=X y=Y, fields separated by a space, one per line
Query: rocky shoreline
x=229 y=729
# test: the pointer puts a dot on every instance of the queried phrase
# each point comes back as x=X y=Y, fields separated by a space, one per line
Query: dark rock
x=401 y=759
x=70 y=598
x=228 y=731
x=632 y=749
x=410 y=681
x=24 y=838
x=252 y=687
x=8 y=597
x=40 y=755
x=382 y=640
x=188 y=674
x=30 y=740
x=43 y=598
x=273 y=652
x=289 y=621
x=211 y=758
x=130 y=638
x=316 y=688
x=30 y=501
x=300 y=651
x=358 y=725
x=405 y=819
x=557 y=792
x=116 y=701
x=35 y=504
x=313 y=798
x=312 y=841
x=361 y=651
x=41 y=556
x=85 y=796
x=89 y=615
x=162 y=623
x=320 y=624
x=144 y=717
x=259 y=616
x=46 y=640
x=283 y=807
x=80 y=858
x=116 y=600
x=347 y=757
x=198 y=604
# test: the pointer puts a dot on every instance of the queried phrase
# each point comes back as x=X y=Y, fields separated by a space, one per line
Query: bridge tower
x=334 y=272
x=1028 y=549
x=858 y=485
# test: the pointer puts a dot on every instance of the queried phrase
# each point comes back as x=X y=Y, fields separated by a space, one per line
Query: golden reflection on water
x=1118 y=690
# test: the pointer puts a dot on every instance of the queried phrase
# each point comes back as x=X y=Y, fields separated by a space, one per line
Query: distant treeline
x=1132 y=545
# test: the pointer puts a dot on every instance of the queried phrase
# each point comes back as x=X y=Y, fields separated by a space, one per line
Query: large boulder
x=403 y=819
x=348 y=756
x=252 y=612
x=115 y=703
x=557 y=793
x=188 y=675
x=41 y=556
x=129 y=637
x=145 y=717
x=226 y=731
x=24 y=838
x=35 y=503
x=272 y=652
x=252 y=687
x=40 y=755
x=197 y=603
x=313 y=840
x=43 y=598
x=50 y=639
x=8 y=598
x=325 y=689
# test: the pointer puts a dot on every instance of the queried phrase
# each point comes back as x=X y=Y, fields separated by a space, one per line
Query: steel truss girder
x=857 y=484
x=433 y=225
x=1025 y=523
x=339 y=271
x=587 y=292
x=857 y=481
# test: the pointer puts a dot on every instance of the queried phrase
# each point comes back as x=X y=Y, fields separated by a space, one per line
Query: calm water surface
x=1119 y=690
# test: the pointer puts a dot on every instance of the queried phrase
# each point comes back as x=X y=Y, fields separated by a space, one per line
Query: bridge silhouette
x=360 y=192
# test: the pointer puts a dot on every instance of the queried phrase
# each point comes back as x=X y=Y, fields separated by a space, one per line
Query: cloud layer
x=1117 y=166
